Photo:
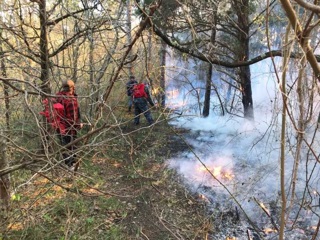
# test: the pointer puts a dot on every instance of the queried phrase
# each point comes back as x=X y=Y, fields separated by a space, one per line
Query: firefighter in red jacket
x=141 y=98
x=70 y=121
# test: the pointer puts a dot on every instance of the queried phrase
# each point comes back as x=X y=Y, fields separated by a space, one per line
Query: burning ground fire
x=269 y=230
x=173 y=94
x=217 y=171
x=243 y=183
x=174 y=101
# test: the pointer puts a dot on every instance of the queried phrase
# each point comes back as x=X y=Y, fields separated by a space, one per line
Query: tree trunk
x=301 y=127
x=149 y=57
x=163 y=74
x=129 y=36
x=44 y=64
x=206 y=103
x=242 y=9
x=245 y=81
x=4 y=180
x=44 y=53
x=75 y=55
x=91 y=69
x=5 y=89
x=283 y=137
x=149 y=62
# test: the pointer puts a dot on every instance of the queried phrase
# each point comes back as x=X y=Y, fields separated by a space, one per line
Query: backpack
x=54 y=113
x=138 y=91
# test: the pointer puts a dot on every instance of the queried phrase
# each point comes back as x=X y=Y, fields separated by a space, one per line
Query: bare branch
x=309 y=6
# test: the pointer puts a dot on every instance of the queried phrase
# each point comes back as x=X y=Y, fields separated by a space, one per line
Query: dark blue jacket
x=130 y=85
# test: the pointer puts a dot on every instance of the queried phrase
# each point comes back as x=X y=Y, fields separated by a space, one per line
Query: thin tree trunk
x=5 y=90
x=129 y=36
x=44 y=64
x=44 y=53
x=301 y=129
x=219 y=98
x=91 y=67
x=75 y=55
x=302 y=118
x=206 y=103
x=149 y=56
x=283 y=140
x=4 y=180
x=163 y=74
x=282 y=163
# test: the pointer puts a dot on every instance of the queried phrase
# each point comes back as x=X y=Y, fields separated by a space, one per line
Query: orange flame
x=203 y=197
x=217 y=172
x=314 y=227
x=264 y=208
x=173 y=93
x=269 y=230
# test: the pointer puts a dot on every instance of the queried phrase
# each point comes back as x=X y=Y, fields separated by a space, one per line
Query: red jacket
x=71 y=119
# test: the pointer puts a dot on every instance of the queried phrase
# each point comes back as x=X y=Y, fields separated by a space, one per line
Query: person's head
x=132 y=78
x=68 y=86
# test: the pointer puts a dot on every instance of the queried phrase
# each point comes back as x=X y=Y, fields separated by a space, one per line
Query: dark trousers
x=68 y=153
x=130 y=102
x=141 y=106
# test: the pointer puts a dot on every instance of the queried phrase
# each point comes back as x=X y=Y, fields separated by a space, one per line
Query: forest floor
x=124 y=190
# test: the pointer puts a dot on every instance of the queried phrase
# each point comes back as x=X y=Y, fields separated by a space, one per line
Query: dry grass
x=121 y=192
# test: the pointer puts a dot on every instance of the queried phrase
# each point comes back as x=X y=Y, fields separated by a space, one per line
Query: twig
x=314 y=237
x=75 y=190
x=268 y=214
x=173 y=234
x=144 y=235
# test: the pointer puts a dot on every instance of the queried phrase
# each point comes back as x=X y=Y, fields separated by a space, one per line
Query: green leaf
x=16 y=197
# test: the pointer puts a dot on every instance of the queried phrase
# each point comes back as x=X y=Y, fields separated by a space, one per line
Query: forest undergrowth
x=122 y=191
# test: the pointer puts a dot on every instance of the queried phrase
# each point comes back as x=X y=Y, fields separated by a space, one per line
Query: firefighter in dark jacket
x=70 y=121
x=141 y=98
